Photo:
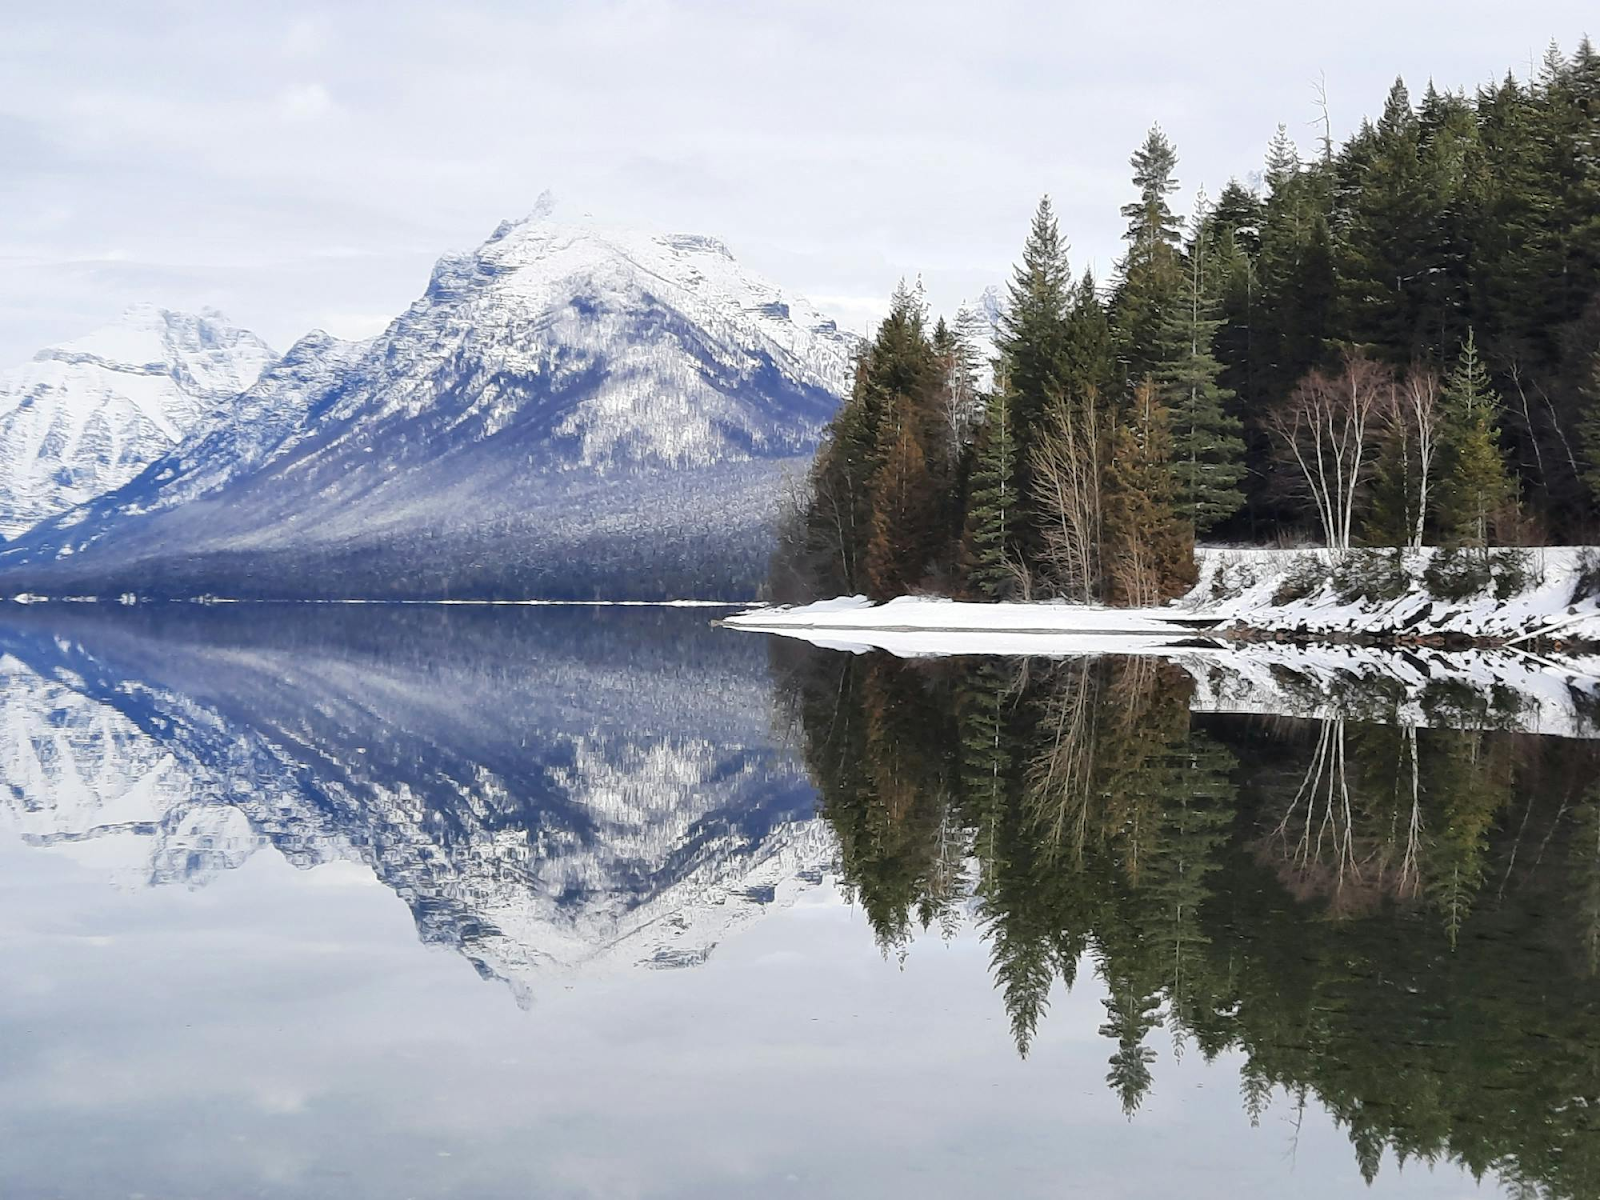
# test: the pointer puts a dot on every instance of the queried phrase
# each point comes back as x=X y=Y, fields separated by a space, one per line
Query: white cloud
x=305 y=102
x=306 y=37
x=836 y=146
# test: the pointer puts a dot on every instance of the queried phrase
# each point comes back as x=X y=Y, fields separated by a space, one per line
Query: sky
x=301 y=165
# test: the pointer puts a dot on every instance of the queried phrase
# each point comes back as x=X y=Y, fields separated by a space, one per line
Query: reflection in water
x=544 y=788
x=1401 y=922
x=1387 y=903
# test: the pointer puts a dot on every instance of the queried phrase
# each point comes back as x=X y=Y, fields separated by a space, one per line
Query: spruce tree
x=1151 y=275
x=904 y=508
x=987 y=550
x=1033 y=329
x=1149 y=547
x=1208 y=453
x=1033 y=337
x=1589 y=429
x=1388 y=219
x=1089 y=363
x=1295 y=270
x=1477 y=489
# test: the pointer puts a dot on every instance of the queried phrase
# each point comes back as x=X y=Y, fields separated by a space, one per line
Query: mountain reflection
x=545 y=788
x=1401 y=922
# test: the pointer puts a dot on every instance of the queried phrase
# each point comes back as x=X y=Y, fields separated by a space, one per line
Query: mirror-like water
x=310 y=901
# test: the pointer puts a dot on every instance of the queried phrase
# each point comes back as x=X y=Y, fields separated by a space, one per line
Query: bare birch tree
x=1325 y=427
x=1418 y=401
x=1065 y=459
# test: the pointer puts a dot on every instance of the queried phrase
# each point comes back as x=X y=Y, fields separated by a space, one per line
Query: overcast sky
x=302 y=164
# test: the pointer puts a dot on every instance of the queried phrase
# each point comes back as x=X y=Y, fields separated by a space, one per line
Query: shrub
x=1514 y=571
x=1456 y=572
x=1587 y=584
x=1231 y=577
x=1305 y=577
x=1371 y=575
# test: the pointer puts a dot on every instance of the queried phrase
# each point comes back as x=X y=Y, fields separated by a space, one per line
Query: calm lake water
x=331 y=901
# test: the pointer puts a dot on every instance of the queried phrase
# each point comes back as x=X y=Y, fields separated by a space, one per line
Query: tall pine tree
x=987 y=551
x=1033 y=345
x=1149 y=547
x=1208 y=453
x=1478 y=493
x=1151 y=274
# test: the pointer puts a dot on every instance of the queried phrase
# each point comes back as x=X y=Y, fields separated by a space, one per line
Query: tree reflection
x=1402 y=922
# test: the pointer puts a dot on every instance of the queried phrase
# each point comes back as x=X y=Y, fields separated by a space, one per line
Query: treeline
x=1311 y=894
x=1394 y=343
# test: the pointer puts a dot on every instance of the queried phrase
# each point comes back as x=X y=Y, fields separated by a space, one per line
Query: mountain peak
x=88 y=414
x=566 y=402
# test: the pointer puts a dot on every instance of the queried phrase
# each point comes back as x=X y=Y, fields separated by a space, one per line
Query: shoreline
x=1544 y=599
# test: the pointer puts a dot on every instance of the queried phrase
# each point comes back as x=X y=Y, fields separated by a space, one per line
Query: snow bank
x=1311 y=593
x=1532 y=592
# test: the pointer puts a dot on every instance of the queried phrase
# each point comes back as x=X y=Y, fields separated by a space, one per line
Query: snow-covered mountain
x=87 y=416
x=619 y=803
x=568 y=411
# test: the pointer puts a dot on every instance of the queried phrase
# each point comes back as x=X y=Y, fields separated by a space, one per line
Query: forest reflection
x=1400 y=922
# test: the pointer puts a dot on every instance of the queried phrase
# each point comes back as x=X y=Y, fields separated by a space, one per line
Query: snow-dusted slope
x=567 y=411
x=87 y=416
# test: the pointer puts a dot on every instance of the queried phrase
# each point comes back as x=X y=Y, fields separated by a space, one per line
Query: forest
x=1402 y=922
x=1393 y=341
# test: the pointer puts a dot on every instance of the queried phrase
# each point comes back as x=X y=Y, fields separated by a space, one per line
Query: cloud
x=306 y=37
x=305 y=102
x=836 y=146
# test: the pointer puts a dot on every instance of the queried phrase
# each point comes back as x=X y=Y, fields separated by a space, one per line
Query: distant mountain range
x=566 y=412
x=87 y=416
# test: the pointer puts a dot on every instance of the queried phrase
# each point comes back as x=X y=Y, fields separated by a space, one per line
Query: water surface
x=306 y=901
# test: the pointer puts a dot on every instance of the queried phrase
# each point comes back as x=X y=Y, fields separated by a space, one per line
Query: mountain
x=87 y=416
x=621 y=802
x=567 y=412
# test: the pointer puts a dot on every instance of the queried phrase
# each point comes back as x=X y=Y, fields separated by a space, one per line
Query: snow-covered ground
x=1540 y=591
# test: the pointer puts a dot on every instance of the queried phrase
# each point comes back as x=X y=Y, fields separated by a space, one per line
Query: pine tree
x=1033 y=351
x=1151 y=276
x=1034 y=328
x=1477 y=490
x=897 y=375
x=1208 y=453
x=1089 y=359
x=1385 y=231
x=1149 y=547
x=1590 y=426
x=987 y=549
x=829 y=549
x=904 y=507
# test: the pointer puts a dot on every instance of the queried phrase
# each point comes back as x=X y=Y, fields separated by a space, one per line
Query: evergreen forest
x=1394 y=341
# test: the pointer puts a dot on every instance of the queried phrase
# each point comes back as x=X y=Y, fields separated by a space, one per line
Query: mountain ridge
x=86 y=416
x=564 y=394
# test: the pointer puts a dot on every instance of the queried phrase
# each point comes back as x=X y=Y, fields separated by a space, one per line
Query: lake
x=405 y=900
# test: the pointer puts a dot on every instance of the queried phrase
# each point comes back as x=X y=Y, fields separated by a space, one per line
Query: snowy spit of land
x=1509 y=681
x=1504 y=596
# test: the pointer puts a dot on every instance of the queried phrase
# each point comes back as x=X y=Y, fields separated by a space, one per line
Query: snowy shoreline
x=1542 y=593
